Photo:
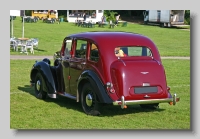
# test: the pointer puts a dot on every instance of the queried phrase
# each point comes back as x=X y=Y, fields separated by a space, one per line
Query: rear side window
x=94 y=53
x=132 y=51
x=81 y=46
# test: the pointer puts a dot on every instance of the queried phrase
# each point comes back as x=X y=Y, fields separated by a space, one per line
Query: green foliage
x=28 y=12
x=62 y=12
x=187 y=17
x=110 y=15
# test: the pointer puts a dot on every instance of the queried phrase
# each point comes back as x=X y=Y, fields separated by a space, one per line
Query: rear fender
x=97 y=85
x=47 y=73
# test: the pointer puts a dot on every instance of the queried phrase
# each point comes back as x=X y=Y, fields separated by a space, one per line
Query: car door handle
x=83 y=63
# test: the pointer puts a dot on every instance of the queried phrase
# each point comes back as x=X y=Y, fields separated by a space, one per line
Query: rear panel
x=139 y=79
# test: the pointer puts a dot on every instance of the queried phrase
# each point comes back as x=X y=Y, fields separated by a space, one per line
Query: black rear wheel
x=89 y=100
x=39 y=83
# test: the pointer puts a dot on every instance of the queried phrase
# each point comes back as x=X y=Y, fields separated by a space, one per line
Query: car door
x=66 y=56
x=77 y=63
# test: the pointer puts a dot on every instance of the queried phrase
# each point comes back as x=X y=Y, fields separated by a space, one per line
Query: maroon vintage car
x=93 y=68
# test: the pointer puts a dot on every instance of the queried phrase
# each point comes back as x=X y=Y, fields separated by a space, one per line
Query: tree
x=187 y=17
x=110 y=15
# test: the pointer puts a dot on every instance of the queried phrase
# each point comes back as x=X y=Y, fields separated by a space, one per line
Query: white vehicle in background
x=164 y=18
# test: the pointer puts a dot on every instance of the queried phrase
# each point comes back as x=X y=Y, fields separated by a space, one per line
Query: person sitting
x=119 y=52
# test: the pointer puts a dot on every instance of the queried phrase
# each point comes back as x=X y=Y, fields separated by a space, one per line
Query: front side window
x=68 y=48
x=132 y=51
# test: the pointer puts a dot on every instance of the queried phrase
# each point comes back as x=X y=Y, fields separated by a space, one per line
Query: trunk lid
x=139 y=79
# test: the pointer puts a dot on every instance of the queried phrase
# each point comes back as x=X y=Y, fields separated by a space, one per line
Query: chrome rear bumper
x=124 y=103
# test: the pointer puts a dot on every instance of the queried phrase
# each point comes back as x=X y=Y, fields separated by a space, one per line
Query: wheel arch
x=47 y=74
x=89 y=76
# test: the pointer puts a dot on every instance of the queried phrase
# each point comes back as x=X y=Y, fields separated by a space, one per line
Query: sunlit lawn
x=27 y=112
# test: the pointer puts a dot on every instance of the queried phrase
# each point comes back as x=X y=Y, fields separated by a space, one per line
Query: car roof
x=108 y=40
x=104 y=34
x=116 y=38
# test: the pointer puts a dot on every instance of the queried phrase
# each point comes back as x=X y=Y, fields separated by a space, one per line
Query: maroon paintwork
x=132 y=79
x=110 y=69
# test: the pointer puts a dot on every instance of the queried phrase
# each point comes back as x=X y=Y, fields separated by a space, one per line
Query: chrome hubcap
x=38 y=85
x=88 y=100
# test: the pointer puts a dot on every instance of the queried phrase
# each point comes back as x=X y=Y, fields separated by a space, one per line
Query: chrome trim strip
x=67 y=95
x=145 y=84
x=121 y=60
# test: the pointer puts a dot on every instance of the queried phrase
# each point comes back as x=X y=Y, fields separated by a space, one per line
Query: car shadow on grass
x=111 y=110
x=105 y=110
x=61 y=101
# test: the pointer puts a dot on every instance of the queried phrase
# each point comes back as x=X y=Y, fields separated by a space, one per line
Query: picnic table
x=23 y=44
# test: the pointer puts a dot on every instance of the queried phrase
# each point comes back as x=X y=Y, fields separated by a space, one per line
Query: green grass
x=27 y=112
x=170 y=41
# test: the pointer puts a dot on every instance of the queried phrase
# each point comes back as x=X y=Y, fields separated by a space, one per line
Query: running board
x=67 y=95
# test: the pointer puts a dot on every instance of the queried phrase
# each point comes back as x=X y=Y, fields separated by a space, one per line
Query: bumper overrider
x=124 y=103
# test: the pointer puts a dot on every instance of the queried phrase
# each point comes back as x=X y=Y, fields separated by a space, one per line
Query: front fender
x=46 y=71
x=97 y=84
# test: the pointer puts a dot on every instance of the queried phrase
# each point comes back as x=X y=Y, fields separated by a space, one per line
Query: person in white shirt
x=117 y=18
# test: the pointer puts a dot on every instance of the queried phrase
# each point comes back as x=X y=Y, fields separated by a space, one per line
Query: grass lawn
x=170 y=41
x=27 y=112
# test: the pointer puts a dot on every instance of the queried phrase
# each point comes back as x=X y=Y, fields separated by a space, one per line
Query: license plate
x=142 y=90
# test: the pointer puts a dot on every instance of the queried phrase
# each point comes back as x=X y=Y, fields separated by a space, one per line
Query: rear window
x=132 y=51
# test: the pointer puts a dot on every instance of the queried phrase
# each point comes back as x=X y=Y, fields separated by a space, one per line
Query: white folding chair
x=12 y=42
x=35 y=42
x=18 y=44
x=29 y=45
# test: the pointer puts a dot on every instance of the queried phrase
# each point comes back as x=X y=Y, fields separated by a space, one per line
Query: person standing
x=84 y=17
x=117 y=18
x=103 y=20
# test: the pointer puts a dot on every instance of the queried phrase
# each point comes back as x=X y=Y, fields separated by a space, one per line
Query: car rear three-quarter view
x=93 y=68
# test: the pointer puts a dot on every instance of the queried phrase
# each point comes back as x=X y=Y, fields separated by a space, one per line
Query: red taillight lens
x=112 y=90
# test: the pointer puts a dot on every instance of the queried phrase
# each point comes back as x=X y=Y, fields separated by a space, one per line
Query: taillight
x=109 y=87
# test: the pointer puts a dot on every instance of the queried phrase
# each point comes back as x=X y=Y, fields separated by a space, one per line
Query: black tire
x=150 y=106
x=89 y=100
x=39 y=83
